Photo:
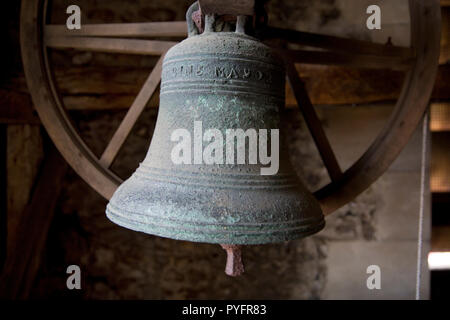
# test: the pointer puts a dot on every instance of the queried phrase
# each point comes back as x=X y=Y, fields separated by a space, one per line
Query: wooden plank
x=313 y=122
x=98 y=80
x=112 y=45
x=28 y=240
x=231 y=7
x=132 y=115
x=332 y=85
x=348 y=59
x=139 y=30
x=103 y=102
x=337 y=44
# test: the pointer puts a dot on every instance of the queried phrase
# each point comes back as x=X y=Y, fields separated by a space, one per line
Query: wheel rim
x=409 y=109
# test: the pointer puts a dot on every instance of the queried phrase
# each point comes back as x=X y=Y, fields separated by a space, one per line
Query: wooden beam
x=139 y=30
x=349 y=59
x=28 y=241
x=313 y=123
x=111 y=45
x=334 y=85
x=132 y=115
x=337 y=44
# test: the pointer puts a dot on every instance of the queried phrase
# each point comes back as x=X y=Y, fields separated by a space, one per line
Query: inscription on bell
x=220 y=72
x=237 y=73
x=188 y=70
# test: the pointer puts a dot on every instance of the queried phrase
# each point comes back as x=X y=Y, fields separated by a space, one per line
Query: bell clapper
x=234 y=266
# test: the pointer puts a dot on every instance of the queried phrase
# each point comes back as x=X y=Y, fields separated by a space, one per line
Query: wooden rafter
x=138 y=30
x=112 y=45
x=132 y=115
x=313 y=122
x=22 y=262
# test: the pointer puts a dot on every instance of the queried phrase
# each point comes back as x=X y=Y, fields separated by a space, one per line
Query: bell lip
x=265 y=236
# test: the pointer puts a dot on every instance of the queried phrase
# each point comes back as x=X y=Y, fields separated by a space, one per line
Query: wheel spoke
x=349 y=59
x=132 y=115
x=337 y=44
x=113 y=45
x=313 y=122
x=139 y=30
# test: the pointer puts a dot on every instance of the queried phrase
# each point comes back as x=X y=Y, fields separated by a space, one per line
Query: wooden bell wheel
x=420 y=62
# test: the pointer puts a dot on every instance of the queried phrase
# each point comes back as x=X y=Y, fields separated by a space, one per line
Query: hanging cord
x=421 y=205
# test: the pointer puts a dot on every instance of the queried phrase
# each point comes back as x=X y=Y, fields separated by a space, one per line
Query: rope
x=421 y=205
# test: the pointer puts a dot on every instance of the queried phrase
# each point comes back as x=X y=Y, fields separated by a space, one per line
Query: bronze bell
x=215 y=84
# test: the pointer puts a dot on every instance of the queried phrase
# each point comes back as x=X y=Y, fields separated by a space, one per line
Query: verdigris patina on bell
x=223 y=80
